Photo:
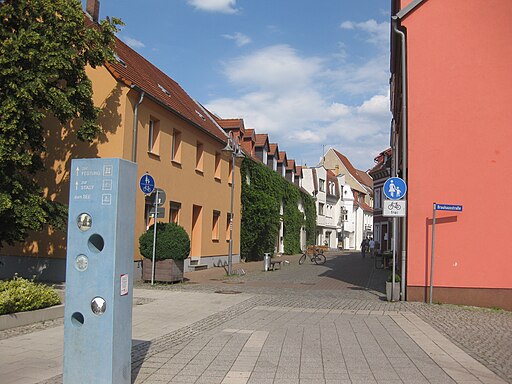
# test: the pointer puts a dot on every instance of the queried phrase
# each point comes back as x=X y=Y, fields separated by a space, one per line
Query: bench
x=274 y=262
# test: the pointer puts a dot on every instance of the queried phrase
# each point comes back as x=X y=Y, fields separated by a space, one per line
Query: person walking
x=364 y=247
x=372 y=247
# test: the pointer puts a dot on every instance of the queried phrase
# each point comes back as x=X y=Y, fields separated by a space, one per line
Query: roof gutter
x=135 y=121
x=403 y=129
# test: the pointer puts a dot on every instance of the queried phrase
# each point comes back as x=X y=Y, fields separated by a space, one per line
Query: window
x=274 y=162
x=321 y=209
x=176 y=147
x=153 y=136
x=218 y=158
x=215 y=225
x=228 y=226
x=378 y=196
x=199 y=157
x=265 y=155
x=175 y=209
x=322 y=185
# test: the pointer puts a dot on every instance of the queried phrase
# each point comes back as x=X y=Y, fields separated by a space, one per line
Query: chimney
x=92 y=7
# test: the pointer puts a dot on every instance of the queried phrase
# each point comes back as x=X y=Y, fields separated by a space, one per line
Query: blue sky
x=311 y=74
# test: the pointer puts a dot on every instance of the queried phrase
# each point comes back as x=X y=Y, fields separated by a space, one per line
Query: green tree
x=45 y=46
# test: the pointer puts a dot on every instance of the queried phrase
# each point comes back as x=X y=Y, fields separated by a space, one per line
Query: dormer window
x=164 y=90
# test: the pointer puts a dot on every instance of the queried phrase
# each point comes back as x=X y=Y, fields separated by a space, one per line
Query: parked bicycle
x=316 y=256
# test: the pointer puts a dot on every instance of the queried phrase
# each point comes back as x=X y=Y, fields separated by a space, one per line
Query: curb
x=20 y=319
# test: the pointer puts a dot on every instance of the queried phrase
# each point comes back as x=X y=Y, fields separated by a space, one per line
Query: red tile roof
x=273 y=150
x=135 y=71
x=291 y=165
x=282 y=157
x=359 y=175
x=261 y=140
x=298 y=170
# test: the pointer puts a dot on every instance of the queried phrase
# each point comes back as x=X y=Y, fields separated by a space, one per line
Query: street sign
x=147 y=184
x=394 y=208
x=448 y=207
x=161 y=197
x=395 y=188
x=159 y=214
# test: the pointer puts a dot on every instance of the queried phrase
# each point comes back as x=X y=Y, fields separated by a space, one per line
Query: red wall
x=460 y=141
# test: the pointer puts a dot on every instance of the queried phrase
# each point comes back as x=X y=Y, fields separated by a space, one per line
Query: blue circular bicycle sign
x=147 y=184
x=395 y=188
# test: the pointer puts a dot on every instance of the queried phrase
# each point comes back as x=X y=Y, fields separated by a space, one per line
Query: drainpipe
x=135 y=121
x=404 y=140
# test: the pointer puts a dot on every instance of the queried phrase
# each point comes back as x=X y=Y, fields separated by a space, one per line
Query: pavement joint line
x=456 y=363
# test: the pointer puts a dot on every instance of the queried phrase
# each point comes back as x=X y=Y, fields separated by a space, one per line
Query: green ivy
x=263 y=191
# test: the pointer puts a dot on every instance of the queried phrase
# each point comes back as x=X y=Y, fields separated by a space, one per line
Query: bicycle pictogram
x=395 y=205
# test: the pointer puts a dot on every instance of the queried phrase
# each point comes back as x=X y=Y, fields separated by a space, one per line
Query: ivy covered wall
x=263 y=190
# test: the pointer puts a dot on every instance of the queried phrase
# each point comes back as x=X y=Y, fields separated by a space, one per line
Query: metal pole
x=230 y=254
x=154 y=238
x=395 y=240
x=432 y=251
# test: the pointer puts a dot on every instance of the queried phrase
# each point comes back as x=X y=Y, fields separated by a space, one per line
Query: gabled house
x=147 y=118
x=262 y=147
x=290 y=171
x=382 y=226
x=249 y=142
x=325 y=187
x=451 y=87
x=361 y=185
x=298 y=176
x=282 y=163
x=273 y=156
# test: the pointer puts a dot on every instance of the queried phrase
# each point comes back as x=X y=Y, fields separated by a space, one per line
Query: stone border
x=20 y=319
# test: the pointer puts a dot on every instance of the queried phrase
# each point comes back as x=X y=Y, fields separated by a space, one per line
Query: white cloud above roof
x=222 y=6
x=239 y=38
x=132 y=43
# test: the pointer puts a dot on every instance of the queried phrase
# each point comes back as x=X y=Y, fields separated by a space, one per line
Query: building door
x=197 y=223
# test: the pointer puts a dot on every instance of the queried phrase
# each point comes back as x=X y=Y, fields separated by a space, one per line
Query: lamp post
x=234 y=150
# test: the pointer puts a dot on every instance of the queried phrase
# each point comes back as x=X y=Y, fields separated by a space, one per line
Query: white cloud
x=378 y=33
x=133 y=43
x=239 y=38
x=276 y=66
x=222 y=6
x=285 y=94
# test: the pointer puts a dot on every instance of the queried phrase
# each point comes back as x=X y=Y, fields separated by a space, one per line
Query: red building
x=451 y=88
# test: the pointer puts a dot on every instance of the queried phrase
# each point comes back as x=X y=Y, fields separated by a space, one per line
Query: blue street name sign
x=147 y=184
x=448 y=207
x=395 y=188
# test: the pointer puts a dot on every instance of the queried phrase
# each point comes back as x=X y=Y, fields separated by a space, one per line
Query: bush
x=20 y=295
x=397 y=278
x=172 y=242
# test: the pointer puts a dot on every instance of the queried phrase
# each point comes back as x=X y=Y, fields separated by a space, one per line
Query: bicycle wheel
x=302 y=258
x=319 y=258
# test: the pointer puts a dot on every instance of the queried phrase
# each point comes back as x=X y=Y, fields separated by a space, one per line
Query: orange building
x=146 y=117
x=451 y=88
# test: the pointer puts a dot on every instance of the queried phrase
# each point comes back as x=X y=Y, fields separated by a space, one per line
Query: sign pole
x=154 y=238
x=432 y=250
x=395 y=240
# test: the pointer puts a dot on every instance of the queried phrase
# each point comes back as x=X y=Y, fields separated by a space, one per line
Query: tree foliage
x=45 y=46
x=263 y=192
x=172 y=242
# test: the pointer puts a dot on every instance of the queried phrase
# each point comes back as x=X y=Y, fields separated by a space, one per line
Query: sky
x=310 y=74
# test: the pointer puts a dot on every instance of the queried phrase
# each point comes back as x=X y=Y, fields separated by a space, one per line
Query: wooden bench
x=274 y=262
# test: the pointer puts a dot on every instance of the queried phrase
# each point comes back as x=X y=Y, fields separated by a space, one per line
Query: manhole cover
x=228 y=292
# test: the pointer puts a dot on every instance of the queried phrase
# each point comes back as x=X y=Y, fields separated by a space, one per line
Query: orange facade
x=177 y=142
x=459 y=87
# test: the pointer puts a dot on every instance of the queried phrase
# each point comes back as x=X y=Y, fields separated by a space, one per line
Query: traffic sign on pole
x=395 y=188
x=147 y=184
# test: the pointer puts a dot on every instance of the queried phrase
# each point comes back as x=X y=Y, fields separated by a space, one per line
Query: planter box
x=396 y=291
x=168 y=271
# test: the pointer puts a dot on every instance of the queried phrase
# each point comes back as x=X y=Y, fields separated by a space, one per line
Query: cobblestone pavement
x=350 y=282
x=309 y=307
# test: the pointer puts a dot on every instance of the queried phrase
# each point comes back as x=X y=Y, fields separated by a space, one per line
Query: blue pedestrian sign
x=395 y=188
x=147 y=184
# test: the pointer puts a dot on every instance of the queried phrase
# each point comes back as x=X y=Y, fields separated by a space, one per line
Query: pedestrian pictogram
x=147 y=183
x=395 y=188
